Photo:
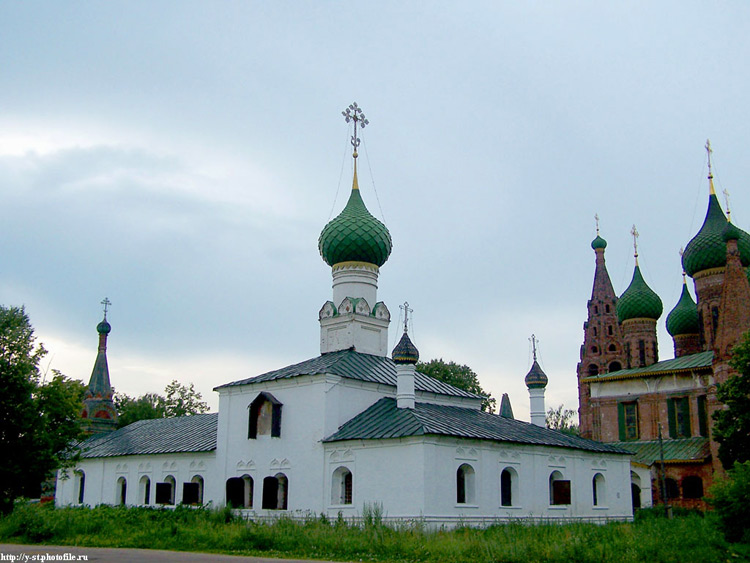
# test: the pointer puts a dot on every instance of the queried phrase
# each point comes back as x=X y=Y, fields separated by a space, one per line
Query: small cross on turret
x=106 y=304
x=406 y=309
x=635 y=234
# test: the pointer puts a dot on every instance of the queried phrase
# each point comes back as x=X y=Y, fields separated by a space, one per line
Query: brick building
x=626 y=395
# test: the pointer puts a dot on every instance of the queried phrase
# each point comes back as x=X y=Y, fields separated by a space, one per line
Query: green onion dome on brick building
x=683 y=319
x=639 y=300
x=707 y=249
x=355 y=235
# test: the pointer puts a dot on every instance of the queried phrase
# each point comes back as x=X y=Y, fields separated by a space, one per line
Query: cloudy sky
x=181 y=159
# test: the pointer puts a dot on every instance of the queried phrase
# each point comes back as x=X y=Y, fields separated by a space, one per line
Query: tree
x=732 y=428
x=562 y=419
x=39 y=420
x=178 y=400
x=459 y=376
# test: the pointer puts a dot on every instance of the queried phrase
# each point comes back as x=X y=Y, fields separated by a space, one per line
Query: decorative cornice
x=355 y=265
x=708 y=272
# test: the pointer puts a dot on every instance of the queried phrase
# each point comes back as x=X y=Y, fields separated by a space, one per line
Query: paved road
x=116 y=555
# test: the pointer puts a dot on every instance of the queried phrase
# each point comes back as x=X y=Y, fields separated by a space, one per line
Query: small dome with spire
x=598 y=243
x=104 y=327
x=536 y=378
x=683 y=319
x=639 y=300
x=405 y=352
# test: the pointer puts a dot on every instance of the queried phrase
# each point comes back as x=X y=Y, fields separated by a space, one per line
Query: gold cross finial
x=684 y=278
x=106 y=304
x=635 y=234
x=726 y=201
x=596 y=218
x=354 y=113
x=405 y=307
x=709 y=152
x=533 y=340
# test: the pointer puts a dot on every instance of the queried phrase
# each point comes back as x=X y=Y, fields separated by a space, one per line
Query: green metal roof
x=701 y=360
x=685 y=450
x=385 y=420
x=683 y=319
x=355 y=235
x=638 y=300
x=355 y=365
x=598 y=242
x=707 y=249
x=196 y=433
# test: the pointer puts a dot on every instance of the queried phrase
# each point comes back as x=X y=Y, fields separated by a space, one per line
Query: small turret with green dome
x=707 y=249
x=355 y=235
x=683 y=319
x=598 y=242
x=638 y=300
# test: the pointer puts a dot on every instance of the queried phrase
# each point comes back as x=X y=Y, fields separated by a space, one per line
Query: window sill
x=341 y=506
x=559 y=507
x=600 y=507
x=465 y=505
x=513 y=507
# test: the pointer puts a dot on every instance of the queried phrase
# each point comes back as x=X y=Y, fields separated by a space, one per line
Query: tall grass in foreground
x=688 y=538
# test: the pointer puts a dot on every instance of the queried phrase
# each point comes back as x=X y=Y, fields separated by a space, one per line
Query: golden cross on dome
x=533 y=340
x=405 y=307
x=682 y=251
x=354 y=113
x=709 y=151
x=106 y=304
x=635 y=234
x=596 y=218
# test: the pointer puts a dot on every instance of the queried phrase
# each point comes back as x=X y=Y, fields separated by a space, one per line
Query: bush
x=731 y=498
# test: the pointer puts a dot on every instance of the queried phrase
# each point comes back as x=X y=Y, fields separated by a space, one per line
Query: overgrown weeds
x=688 y=537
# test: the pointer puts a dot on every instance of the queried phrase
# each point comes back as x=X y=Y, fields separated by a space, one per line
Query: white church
x=349 y=429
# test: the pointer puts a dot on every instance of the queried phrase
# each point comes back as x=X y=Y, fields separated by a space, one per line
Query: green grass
x=689 y=537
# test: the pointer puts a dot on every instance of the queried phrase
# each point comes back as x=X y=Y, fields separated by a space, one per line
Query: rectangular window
x=642 y=353
x=678 y=414
x=164 y=493
x=190 y=493
x=561 y=492
x=702 y=416
x=627 y=415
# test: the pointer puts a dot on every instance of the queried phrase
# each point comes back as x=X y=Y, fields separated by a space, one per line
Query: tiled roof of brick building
x=680 y=450
x=691 y=362
x=385 y=420
x=354 y=365
x=196 y=433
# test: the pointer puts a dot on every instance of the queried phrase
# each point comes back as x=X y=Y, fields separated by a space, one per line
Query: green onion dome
x=103 y=327
x=707 y=249
x=638 y=300
x=598 y=242
x=683 y=319
x=536 y=378
x=355 y=235
x=405 y=352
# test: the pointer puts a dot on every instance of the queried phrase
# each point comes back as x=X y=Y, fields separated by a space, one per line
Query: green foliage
x=178 y=400
x=732 y=428
x=685 y=538
x=731 y=498
x=38 y=419
x=562 y=419
x=459 y=376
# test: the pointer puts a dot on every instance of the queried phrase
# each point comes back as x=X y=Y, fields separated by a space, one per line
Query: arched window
x=673 y=491
x=594 y=350
x=599 y=490
x=240 y=492
x=165 y=490
x=341 y=486
x=596 y=310
x=606 y=308
x=80 y=480
x=593 y=369
x=264 y=416
x=121 y=491
x=635 y=489
x=559 y=489
x=609 y=330
x=692 y=487
x=192 y=492
x=275 y=492
x=594 y=330
x=612 y=348
x=144 y=490
x=508 y=487
x=615 y=366
x=465 y=484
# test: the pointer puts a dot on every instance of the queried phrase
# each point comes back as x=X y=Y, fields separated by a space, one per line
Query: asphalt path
x=49 y=553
